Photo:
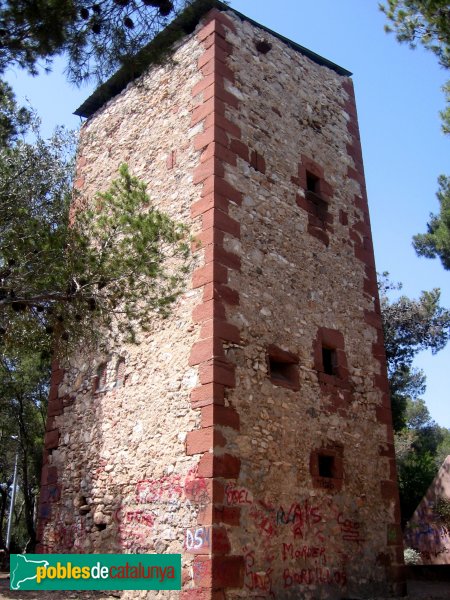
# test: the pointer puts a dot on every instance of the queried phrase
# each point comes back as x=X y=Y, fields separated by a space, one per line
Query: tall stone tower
x=251 y=431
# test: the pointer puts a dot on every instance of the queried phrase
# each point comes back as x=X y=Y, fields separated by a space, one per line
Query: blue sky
x=398 y=97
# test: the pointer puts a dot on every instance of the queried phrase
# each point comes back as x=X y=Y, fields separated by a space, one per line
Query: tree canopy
x=436 y=242
x=421 y=445
x=115 y=264
x=96 y=36
x=24 y=378
x=428 y=22
x=421 y=21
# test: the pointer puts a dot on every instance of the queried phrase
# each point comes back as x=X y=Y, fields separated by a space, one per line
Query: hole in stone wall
x=84 y=507
x=100 y=526
x=263 y=46
x=326 y=465
x=283 y=367
x=329 y=360
x=281 y=371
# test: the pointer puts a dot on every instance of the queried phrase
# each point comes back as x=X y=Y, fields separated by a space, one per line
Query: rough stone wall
x=251 y=431
x=117 y=477
x=304 y=271
x=428 y=530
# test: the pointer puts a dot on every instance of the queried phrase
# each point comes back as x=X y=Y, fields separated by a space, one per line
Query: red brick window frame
x=316 y=199
x=101 y=377
x=120 y=371
x=326 y=466
x=282 y=367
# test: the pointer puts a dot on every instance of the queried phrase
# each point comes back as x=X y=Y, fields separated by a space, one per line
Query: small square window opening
x=281 y=371
x=326 y=465
x=283 y=368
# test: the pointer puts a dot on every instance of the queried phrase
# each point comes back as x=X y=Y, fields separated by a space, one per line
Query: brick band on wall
x=49 y=489
x=219 y=144
x=360 y=234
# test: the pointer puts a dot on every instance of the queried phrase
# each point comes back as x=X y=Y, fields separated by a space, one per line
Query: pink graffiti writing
x=134 y=527
x=68 y=537
x=151 y=490
x=201 y=570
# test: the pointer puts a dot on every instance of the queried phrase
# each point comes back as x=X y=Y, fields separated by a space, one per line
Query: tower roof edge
x=152 y=53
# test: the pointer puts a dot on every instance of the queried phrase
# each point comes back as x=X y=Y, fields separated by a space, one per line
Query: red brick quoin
x=215 y=568
x=360 y=235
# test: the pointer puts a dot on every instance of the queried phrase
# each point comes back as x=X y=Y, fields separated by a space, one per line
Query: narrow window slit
x=312 y=183
x=329 y=360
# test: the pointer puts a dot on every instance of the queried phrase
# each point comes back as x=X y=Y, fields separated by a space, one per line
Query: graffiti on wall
x=150 y=510
x=198 y=539
x=429 y=534
x=306 y=542
x=301 y=542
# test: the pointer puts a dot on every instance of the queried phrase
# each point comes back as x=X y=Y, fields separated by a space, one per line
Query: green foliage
x=419 y=446
x=409 y=327
x=97 y=37
x=23 y=400
x=127 y=260
x=445 y=114
x=116 y=264
x=424 y=21
x=443 y=449
x=428 y=22
x=13 y=120
x=415 y=474
x=442 y=509
x=436 y=242
x=119 y=264
x=406 y=383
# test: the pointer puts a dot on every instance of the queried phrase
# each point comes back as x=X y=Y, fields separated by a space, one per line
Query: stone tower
x=251 y=431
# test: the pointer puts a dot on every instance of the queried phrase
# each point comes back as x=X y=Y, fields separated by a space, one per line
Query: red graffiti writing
x=264 y=519
x=236 y=496
x=304 y=518
x=350 y=530
x=290 y=552
x=257 y=580
x=314 y=576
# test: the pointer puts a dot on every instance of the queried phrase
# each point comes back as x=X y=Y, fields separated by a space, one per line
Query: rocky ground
x=417 y=590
